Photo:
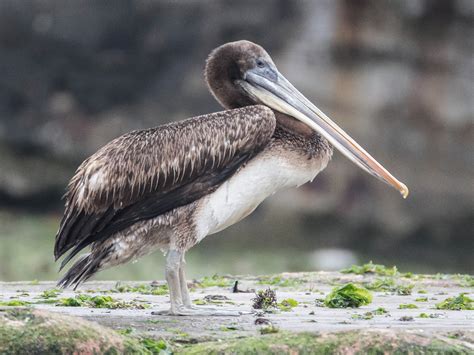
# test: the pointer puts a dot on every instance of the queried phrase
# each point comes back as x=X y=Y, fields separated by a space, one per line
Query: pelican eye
x=260 y=63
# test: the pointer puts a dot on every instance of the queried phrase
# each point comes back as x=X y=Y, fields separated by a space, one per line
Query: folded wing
x=146 y=173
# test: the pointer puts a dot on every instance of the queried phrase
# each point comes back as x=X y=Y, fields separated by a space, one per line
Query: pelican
x=168 y=187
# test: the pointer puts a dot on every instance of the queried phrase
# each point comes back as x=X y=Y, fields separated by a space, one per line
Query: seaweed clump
x=348 y=295
x=461 y=302
x=287 y=304
x=265 y=299
x=155 y=346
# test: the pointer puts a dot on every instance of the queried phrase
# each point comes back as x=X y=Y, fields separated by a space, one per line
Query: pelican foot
x=200 y=311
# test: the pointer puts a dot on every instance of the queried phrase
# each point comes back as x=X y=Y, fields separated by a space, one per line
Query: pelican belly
x=264 y=175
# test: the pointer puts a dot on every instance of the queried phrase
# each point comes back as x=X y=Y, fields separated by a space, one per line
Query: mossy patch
x=83 y=300
x=348 y=295
x=30 y=331
x=459 y=303
x=357 y=342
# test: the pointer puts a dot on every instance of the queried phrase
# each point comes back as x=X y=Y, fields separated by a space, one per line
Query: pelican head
x=242 y=73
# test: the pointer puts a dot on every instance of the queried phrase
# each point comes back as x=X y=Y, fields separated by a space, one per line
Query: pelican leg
x=184 y=285
x=187 y=303
x=181 y=304
x=173 y=261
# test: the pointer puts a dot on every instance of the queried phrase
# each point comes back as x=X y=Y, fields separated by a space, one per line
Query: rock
x=34 y=331
x=350 y=342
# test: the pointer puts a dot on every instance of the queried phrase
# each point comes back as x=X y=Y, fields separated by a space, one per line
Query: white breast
x=242 y=193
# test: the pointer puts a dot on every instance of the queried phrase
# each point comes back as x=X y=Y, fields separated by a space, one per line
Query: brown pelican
x=169 y=187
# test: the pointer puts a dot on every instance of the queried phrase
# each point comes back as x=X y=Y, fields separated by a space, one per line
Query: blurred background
x=397 y=75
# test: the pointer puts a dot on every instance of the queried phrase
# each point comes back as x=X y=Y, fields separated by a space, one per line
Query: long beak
x=278 y=93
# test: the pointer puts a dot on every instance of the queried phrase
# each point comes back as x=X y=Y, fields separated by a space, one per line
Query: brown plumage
x=146 y=173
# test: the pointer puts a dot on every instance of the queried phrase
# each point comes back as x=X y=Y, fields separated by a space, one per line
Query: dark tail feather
x=82 y=270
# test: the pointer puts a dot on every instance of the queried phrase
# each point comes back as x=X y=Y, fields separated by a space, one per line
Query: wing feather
x=146 y=173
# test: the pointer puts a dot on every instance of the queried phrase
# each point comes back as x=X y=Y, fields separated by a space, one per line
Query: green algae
x=465 y=280
x=421 y=299
x=370 y=315
x=407 y=306
x=269 y=329
x=178 y=332
x=431 y=315
x=287 y=304
x=388 y=284
x=199 y=302
x=150 y=289
x=403 y=290
x=213 y=281
x=348 y=295
x=364 y=316
x=461 y=302
x=371 y=268
x=99 y=302
x=156 y=346
x=15 y=303
x=51 y=293
x=228 y=328
x=379 y=311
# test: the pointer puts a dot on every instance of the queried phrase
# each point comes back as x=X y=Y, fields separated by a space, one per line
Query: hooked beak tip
x=404 y=190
